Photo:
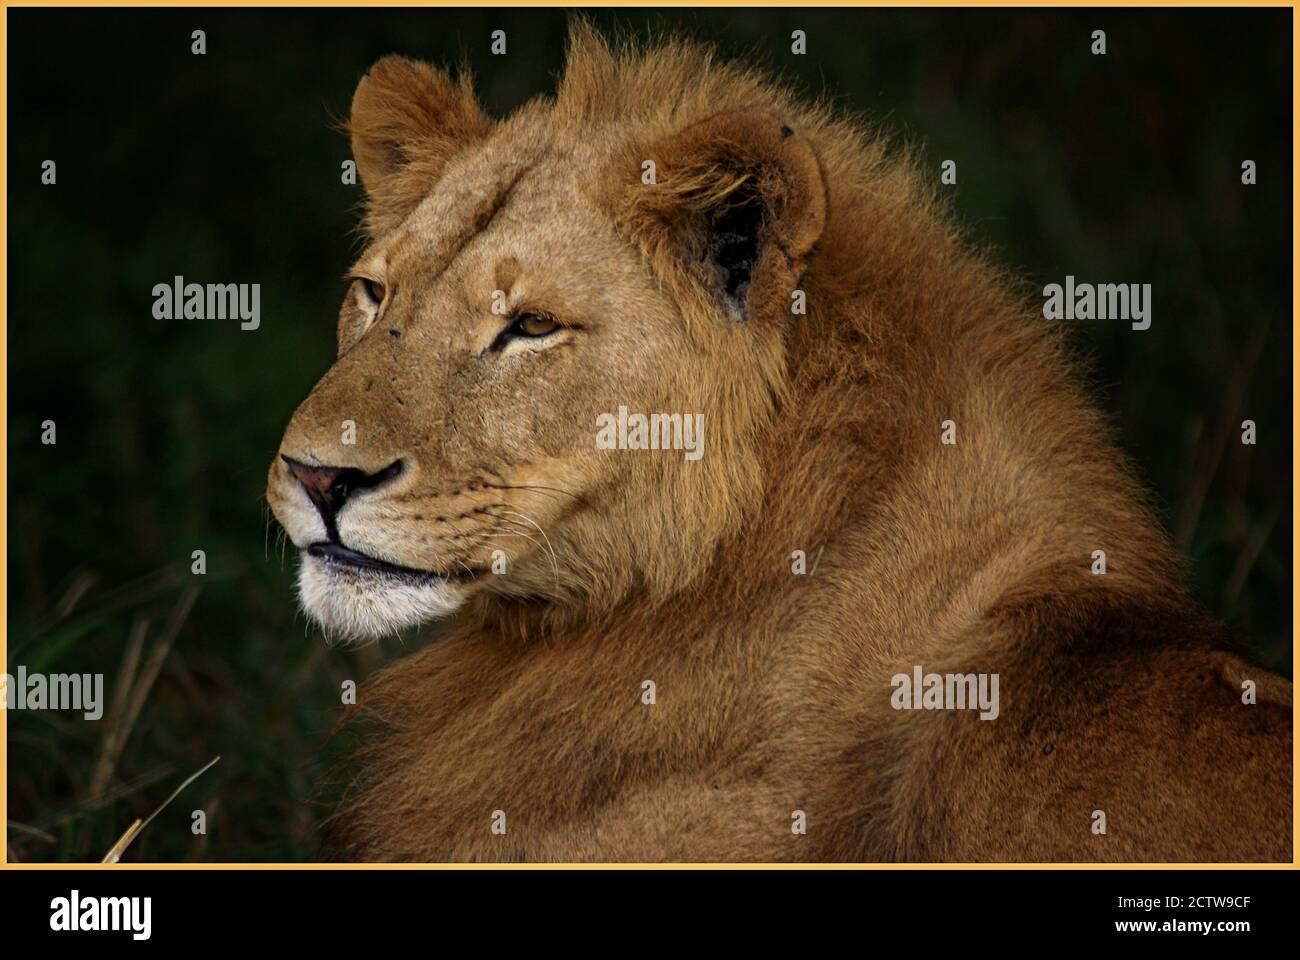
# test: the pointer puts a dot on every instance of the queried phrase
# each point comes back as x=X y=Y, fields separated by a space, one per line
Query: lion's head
x=635 y=243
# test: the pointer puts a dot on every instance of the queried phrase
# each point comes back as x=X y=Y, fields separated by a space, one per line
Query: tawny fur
x=772 y=689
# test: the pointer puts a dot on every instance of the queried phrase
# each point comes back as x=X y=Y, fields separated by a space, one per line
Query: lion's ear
x=739 y=200
x=408 y=119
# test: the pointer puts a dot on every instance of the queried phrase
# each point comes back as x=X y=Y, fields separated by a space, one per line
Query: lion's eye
x=525 y=326
x=535 y=325
x=374 y=290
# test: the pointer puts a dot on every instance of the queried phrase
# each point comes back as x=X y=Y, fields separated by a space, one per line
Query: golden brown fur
x=823 y=435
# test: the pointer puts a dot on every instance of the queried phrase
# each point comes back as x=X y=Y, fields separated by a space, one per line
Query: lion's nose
x=330 y=487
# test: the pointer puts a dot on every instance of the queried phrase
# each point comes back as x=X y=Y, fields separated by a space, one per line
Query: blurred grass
x=226 y=167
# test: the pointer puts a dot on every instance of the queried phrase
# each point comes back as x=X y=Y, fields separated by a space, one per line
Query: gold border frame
x=4 y=425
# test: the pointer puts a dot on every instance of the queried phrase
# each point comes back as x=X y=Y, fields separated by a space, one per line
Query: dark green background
x=225 y=168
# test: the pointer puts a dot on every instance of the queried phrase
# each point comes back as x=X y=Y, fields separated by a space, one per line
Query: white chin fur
x=359 y=605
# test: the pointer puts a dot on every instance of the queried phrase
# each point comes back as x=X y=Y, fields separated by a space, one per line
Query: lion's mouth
x=336 y=553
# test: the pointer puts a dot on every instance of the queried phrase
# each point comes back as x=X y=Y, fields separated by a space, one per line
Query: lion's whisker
x=555 y=565
x=532 y=486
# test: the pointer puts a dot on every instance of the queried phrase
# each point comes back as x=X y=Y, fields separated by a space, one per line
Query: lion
x=651 y=656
